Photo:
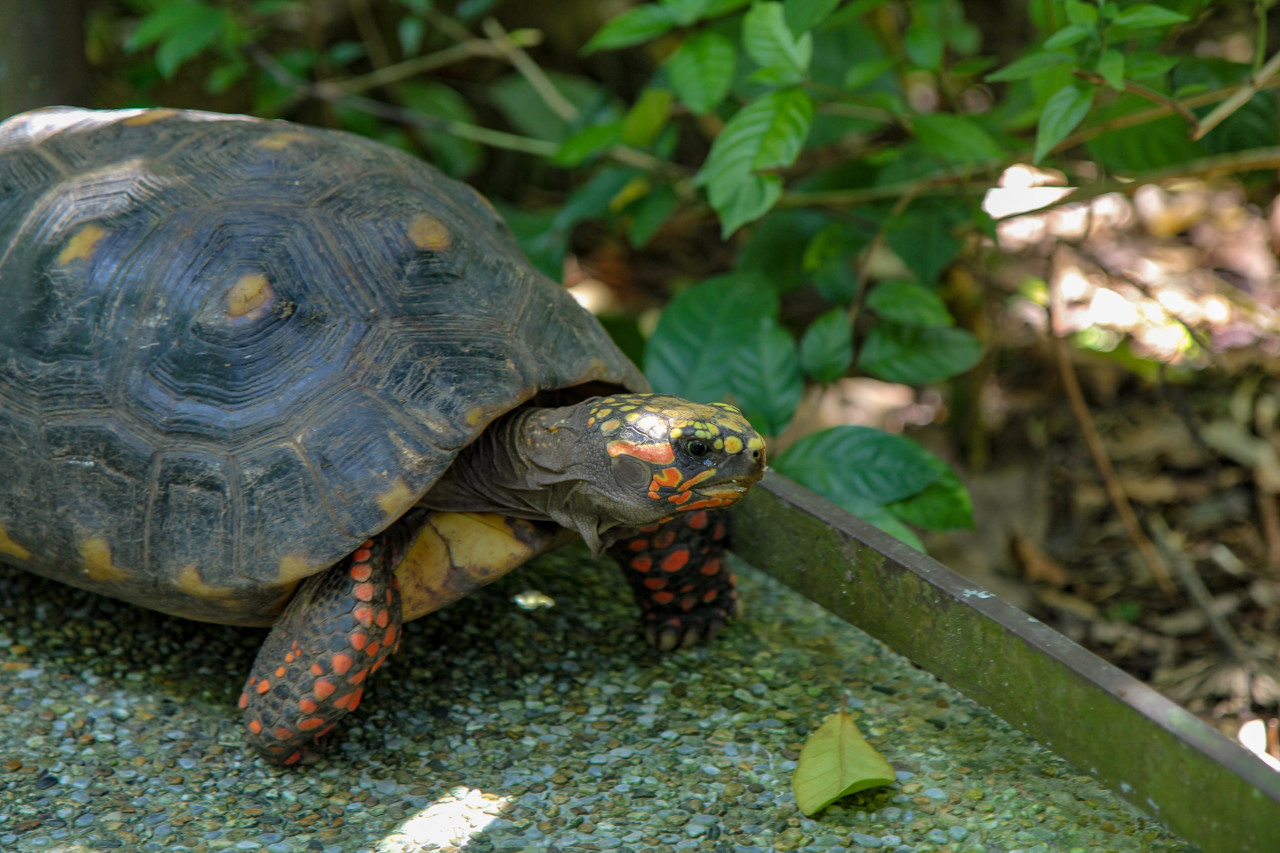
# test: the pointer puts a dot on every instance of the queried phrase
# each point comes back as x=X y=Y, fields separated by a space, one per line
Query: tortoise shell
x=232 y=350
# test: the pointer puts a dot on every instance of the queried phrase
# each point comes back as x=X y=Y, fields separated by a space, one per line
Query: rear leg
x=680 y=578
x=338 y=629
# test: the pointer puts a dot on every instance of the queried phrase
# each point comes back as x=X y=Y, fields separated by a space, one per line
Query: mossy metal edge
x=1144 y=747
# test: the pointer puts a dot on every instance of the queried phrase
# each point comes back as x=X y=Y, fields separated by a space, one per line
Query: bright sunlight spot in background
x=452 y=820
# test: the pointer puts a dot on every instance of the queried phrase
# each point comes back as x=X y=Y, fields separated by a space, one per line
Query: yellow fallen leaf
x=837 y=761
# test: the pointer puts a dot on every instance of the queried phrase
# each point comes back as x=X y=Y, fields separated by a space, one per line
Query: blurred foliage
x=826 y=138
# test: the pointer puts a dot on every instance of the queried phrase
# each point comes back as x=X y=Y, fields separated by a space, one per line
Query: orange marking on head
x=341 y=663
x=264 y=686
x=668 y=477
x=676 y=560
x=307 y=706
x=710 y=567
x=680 y=497
x=255 y=726
x=699 y=521
x=323 y=688
x=358 y=639
x=654 y=583
x=695 y=505
x=244 y=701
x=658 y=454
x=363 y=614
x=663 y=597
x=642 y=564
x=364 y=591
x=311 y=723
x=697 y=478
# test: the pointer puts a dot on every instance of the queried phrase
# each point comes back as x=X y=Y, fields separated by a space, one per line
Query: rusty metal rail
x=1150 y=751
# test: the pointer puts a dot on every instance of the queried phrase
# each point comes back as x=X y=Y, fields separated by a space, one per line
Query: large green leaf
x=180 y=30
x=743 y=200
x=766 y=381
x=943 y=505
x=956 y=139
x=769 y=41
x=701 y=332
x=826 y=350
x=804 y=15
x=854 y=465
x=923 y=236
x=836 y=761
x=456 y=156
x=918 y=355
x=701 y=71
x=1062 y=112
x=641 y=24
x=909 y=303
x=767 y=133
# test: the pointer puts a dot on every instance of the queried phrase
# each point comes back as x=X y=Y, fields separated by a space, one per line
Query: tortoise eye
x=697 y=448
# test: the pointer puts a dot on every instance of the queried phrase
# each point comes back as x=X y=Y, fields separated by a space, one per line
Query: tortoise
x=263 y=374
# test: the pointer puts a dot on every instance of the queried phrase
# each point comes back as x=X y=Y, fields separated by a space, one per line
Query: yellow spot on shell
x=427 y=232
x=733 y=444
x=610 y=427
x=604 y=413
x=280 y=141
x=190 y=582
x=149 y=117
x=395 y=500
x=96 y=556
x=474 y=416
x=632 y=417
x=13 y=549
x=250 y=297
x=81 y=244
x=295 y=567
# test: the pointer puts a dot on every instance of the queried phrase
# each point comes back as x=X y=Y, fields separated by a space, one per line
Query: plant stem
x=1240 y=98
x=529 y=70
x=429 y=62
x=1151 y=95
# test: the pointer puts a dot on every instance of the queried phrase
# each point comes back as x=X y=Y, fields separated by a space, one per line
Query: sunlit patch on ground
x=448 y=823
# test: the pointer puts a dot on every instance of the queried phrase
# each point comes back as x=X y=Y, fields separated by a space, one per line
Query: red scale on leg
x=689 y=552
x=288 y=708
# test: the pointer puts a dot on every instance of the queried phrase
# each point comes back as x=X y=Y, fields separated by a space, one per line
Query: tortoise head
x=650 y=456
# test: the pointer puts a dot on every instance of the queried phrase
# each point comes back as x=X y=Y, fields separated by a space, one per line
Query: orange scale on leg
x=642 y=564
x=676 y=560
x=341 y=663
x=363 y=614
x=323 y=688
x=364 y=591
x=358 y=639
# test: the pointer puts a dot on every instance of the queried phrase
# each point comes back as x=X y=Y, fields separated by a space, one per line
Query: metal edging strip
x=1147 y=749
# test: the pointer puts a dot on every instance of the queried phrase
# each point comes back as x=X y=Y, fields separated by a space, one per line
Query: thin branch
x=1115 y=489
x=483 y=135
x=1198 y=592
x=1240 y=98
x=469 y=49
x=529 y=70
x=1150 y=94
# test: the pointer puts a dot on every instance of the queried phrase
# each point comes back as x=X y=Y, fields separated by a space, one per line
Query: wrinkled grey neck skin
x=548 y=464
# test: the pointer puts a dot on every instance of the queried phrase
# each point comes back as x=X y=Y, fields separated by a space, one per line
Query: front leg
x=338 y=629
x=680 y=578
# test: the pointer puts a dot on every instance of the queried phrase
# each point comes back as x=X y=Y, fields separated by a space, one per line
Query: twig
x=483 y=135
x=1240 y=98
x=469 y=49
x=369 y=34
x=1198 y=592
x=1150 y=94
x=529 y=70
x=1115 y=490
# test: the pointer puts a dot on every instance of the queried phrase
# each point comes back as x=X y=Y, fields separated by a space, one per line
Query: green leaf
x=410 y=31
x=646 y=118
x=918 y=355
x=641 y=24
x=180 y=30
x=956 y=139
x=923 y=237
x=837 y=761
x=738 y=201
x=648 y=214
x=693 y=349
x=1079 y=12
x=804 y=15
x=1111 y=68
x=1066 y=109
x=923 y=44
x=1068 y=35
x=861 y=74
x=685 y=12
x=530 y=115
x=767 y=133
x=1147 y=15
x=909 y=303
x=769 y=41
x=826 y=350
x=456 y=156
x=592 y=140
x=943 y=505
x=701 y=71
x=766 y=382
x=853 y=465
x=769 y=252
x=1029 y=66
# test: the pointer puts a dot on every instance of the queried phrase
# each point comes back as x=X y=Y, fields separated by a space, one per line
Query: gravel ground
x=499 y=728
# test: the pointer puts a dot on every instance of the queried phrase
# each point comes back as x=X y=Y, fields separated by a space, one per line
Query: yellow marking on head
x=733 y=444
x=395 y=500
x=81 y=244
x=430 y=233
x=250 y=297
x=719 y=445
x=280 y=141
x=149 y=117
x=756 y=443
x=13 y=549
x=294 y=567
x=676 y=433
x=95 y=554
